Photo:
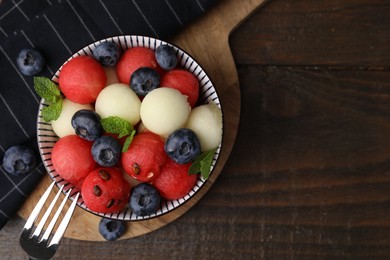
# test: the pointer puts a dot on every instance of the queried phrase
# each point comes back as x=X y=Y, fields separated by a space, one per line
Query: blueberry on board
x=166 y=57
x=106 y=151
x=144 y=199
x=182 y=146
x=19 y=160
x=30 y=61
x=86 y=124
x=110 y=229
x=144 y=80
x=107 y=53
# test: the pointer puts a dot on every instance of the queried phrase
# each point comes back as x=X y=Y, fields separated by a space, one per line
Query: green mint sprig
x=50 y=92
x=121 y=127
x=202 y=164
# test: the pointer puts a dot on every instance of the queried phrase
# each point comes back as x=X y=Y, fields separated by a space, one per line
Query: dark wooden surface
x=309 y=175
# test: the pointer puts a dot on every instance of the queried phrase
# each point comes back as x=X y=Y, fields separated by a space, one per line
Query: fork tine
x=47 y=213
x=64 y=223
x=55 y=218
x=34 y=214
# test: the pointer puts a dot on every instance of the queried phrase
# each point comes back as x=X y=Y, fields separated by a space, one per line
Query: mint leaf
x=47 y=89
x=128 y=141
x=50 y=92
x=116 y=125
x=121 y=127
x=202 y=164
x=52 y=112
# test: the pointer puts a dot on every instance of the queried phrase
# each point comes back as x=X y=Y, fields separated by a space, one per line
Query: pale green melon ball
x=206 y=122
x=163 y=110
x=62 y=126
x=120 y=100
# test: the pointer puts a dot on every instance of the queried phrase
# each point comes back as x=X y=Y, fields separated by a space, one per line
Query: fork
x=41 y=247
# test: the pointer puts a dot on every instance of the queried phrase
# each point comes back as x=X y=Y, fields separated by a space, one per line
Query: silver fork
x=39 y=246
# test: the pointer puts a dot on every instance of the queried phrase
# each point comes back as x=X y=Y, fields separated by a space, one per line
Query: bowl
x=47 y=138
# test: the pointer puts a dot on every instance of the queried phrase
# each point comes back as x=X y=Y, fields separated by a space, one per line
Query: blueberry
x=166 y=57
x=86 y=124
x=106 y=151
x=144 y=199
x=144 y=80
x=19 y=160
x=111 y=229
x=30 y=61
x=182 y=146
x=107 y=53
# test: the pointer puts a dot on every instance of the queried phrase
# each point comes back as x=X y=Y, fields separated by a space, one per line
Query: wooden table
x=309 y=174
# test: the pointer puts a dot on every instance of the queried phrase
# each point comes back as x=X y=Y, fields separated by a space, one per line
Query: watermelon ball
x=133 y=59
x=145 y=157
x=174 y=181
x=81 y=79
x=144 y=199
x=72 y=159
x=105 y=190
x=184 y=81
x=111 y=229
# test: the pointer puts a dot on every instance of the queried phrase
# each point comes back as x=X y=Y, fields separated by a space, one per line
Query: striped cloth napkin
x=59 y=28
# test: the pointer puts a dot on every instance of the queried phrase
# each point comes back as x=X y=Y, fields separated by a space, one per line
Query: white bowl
x=47 y=138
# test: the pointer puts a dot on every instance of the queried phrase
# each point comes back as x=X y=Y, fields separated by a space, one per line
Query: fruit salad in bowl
x=132 y=122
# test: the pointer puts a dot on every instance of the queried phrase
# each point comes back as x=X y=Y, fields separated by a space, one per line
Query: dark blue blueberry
x=166 y=57
x=107 y=53
x=182 y=146
x=111 y=229
x=144 y=80
x=30 y=61
x=86 y=124
x=19 y=160
x=106 y=151
x=144 y=199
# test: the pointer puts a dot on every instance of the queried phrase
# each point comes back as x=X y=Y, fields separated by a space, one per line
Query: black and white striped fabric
x=59 y=28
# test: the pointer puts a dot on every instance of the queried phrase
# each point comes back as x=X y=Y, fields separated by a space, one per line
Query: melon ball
x=206 y=122
x=62 y=126
x=120 y=100
x=163 y=110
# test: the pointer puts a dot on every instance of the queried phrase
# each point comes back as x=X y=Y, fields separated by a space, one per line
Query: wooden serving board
x=207 y=41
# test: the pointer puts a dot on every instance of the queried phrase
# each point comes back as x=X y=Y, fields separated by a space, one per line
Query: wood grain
x=331 y=33
x=213 y=53
x=316 y=93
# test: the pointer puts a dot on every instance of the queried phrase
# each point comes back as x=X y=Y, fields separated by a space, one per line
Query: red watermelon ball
x=105 y=190
x=184 y=81
x=174 y=181
x=133 y=59
x=72 y=159
x=81 y=79
x=145 y=157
